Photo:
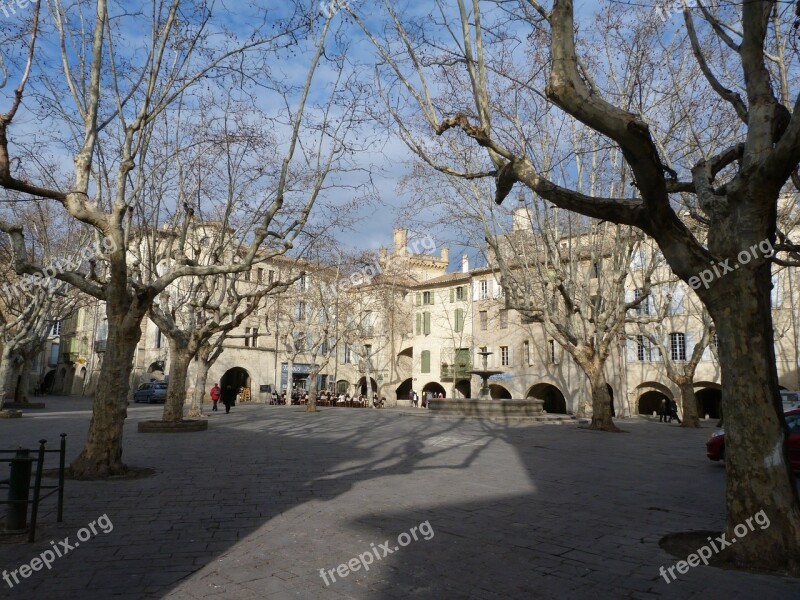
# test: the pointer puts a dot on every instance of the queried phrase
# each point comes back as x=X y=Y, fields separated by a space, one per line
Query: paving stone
x=255 y=506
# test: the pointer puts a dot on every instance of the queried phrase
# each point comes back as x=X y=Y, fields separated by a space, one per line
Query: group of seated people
x=328 y=398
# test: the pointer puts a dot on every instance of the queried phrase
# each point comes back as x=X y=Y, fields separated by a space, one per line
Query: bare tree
x=734 y=187
x=113 y=102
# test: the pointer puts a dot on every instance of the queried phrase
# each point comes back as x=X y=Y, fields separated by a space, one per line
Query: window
x=553 y=355
x=676 y=301
x=677 y=346
x=348 y=354
x=324 y=349
x=459 y=324
x=484 y=289
x=246 y=337
x=270 y=276
x=595 y=270
x=425 y=361
x=300 y=311
x=644 y=350
x=526 y=352
x=715 y=342
x=299 y=341
x=484 y=320
x=504 y=356
x=255 y=337
x=427 y=298
x=53 y=355
x=503 y=319
x=426 y=323
x=597 y=305
x=260 y=275
x=158 y=338
x=460 y=293
x=246 y=275
x=301 y=283
x=56 y=328
x=643 y=308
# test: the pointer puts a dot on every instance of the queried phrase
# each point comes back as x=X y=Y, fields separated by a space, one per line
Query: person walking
x=673 y=409
x=228 y=398
x=663 y=414
x=215 y=393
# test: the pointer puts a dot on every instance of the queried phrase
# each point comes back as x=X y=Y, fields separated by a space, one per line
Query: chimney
x=400 y=240
x=465 y=264
x=446 y=255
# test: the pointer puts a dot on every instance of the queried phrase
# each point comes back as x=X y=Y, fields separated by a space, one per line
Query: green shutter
x=419 y=323
x=427 y=323
x=452 y=294
x=426 y=361
x=459 y=320
x=419 y=299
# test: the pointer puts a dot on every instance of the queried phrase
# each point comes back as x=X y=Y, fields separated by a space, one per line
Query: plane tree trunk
x=759 y=476
x=102 y=455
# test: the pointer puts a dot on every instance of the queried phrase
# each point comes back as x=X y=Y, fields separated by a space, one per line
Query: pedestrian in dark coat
x=228 y=397
x=674 y=412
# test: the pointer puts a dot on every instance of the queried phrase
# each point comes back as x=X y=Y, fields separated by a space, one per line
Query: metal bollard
x=18 y=491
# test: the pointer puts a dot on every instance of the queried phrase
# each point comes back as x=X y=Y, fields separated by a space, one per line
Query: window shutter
x=427 y=323
x=425 y=365
x=419 y=323
x=476 y=290
x=452 y=294
x=419 y=299
x=776 y=296
x=691 y=342
x=496 y=289
x=459 y=320
x=632 y=349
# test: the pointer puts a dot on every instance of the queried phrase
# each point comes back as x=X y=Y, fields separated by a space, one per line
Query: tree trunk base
x=184 y=426
x=195 y=413
x=117 y=472
x=603 y=425
x=311 y=409
x=691 y=423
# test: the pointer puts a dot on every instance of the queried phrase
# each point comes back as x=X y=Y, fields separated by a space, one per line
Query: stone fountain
x=484 y=374
x=528 y=410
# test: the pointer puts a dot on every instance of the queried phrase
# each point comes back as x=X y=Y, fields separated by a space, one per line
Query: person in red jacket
x=215 y=393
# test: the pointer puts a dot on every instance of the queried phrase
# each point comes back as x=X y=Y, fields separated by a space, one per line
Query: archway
x=156 y=370
x=498 y=392
x=709 y=402
x=47 y=382
x=464 y=388
x=650 y=402
x=404 y=389
x=362 y=386
x=611 y=393
x=237 y=378
x=434 y=388
x=554 y=401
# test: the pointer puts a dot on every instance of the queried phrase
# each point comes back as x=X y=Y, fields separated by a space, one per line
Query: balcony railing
x=455 y=372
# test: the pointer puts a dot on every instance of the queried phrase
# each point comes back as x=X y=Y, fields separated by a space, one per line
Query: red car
x=715 y=446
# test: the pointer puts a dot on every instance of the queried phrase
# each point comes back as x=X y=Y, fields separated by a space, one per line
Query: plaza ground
x=269 y=495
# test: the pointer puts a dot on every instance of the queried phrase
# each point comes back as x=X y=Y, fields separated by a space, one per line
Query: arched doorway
x=404 y=389
x=47 y=382
x=434 y=388
x=464 y=388
x=362 y=386
x=611 y=394
x=554 y=401
x=650 y=402
x=237 y=378
x=709 y=402
x=498 y=392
